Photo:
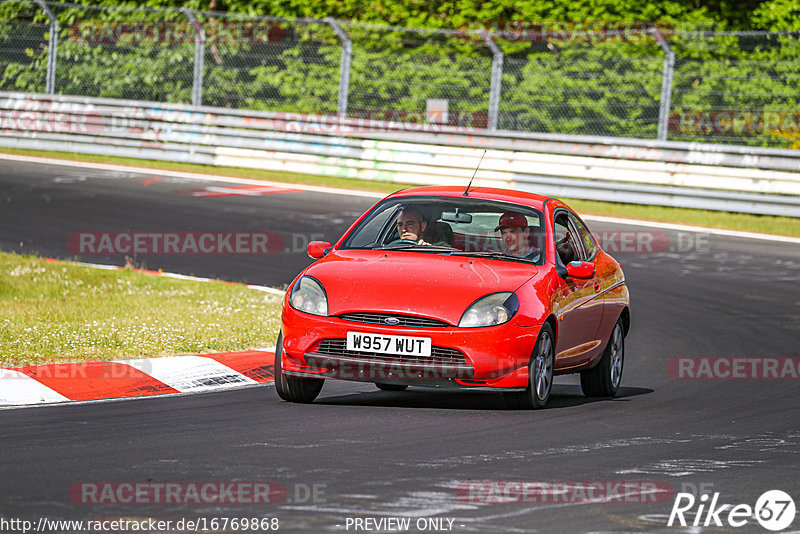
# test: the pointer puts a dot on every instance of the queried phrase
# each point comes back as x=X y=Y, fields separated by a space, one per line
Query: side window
x=585 y=238
x=567 y=245
x=560 y=226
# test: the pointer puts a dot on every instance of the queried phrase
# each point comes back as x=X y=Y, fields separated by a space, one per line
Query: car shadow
x=562 y=396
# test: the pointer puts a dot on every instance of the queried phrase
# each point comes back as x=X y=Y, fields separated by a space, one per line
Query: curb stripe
x=90 y=381
x=95 y=380
x=191 y=373
x=19 y=388
x=256 y=365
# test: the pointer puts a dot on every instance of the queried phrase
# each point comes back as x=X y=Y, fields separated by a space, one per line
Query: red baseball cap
x=512 y=219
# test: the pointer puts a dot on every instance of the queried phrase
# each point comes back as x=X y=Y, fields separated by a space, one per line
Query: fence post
x=52 y=48
x=199 y=56
x=666 y=84
x=496 y=80
x=344 y=70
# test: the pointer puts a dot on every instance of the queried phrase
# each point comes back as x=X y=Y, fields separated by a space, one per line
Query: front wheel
x=540 y=374
x=293 y=389
x=603 y=379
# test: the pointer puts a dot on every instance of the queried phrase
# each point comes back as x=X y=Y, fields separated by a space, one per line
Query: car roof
x=486 y=193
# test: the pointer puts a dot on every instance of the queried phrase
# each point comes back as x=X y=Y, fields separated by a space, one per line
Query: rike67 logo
x=774 y=510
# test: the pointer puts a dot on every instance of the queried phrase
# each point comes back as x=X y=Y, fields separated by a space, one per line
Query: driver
x=411 y=224
x=515 y=233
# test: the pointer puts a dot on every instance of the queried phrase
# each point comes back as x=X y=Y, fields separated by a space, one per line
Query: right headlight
x=490 y=310
x=309 y=296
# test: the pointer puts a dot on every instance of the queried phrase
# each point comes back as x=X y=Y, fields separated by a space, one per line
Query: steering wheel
x=401 y=241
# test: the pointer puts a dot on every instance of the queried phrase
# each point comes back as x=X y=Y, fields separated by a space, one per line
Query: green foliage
x=777 y=15
x=557 y=85
x=584 y=90
x=748 y=85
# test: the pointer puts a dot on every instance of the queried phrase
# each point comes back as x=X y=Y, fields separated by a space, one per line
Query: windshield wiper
x=491 y=254
x=417 y=246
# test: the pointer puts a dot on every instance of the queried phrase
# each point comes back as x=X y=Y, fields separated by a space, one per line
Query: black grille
x=439 y=355
x=404 y=320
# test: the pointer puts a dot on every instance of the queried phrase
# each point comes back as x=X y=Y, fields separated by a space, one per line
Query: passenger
x=514 y=230
x=411 y=224
x=439 y=233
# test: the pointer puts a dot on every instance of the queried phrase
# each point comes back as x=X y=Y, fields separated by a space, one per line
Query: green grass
x=64 y=312
x=788 y=226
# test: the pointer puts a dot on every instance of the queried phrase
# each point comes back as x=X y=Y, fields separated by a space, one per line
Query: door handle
x=596 y=285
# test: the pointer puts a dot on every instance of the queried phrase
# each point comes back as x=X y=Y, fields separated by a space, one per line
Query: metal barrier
x=713 y=177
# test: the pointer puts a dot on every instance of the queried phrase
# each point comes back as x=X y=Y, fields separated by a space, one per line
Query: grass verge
x=64 y=312
x=788 y=226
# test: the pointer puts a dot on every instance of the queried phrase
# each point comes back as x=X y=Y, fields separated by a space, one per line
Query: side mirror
x=580 y=269
x=317 y=249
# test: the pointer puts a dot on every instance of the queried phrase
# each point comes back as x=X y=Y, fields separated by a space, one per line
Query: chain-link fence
x=739 y=88
x=23 y=47
x=606 y=88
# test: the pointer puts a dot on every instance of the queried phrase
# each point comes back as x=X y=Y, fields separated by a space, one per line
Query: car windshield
x=452 y=226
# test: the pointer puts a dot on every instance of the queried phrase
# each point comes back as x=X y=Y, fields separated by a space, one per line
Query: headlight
x=308 y=296
x=490 y=310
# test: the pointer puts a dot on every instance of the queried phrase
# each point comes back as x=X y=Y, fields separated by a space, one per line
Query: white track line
x=347 y=192
x=192 y=175
x=700 y=229
x=265 y=289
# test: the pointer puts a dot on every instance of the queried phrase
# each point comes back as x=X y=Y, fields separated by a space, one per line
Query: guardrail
x=715 y=177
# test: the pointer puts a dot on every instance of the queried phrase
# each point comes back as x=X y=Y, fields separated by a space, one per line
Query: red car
x=489 y=289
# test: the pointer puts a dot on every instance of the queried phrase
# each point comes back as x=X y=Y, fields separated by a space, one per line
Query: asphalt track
x=378 y=454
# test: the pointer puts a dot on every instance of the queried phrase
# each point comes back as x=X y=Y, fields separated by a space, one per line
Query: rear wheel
x=391 y=387
x=291 y=388
x=540 y=374
x=603 y=379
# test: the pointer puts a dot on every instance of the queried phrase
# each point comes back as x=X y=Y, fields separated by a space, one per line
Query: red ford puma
x=492 y=289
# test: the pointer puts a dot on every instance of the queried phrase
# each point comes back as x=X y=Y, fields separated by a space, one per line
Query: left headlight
x=490 y=310
x=309 y=296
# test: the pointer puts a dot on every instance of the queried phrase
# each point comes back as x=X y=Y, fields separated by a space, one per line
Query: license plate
x=385 y=344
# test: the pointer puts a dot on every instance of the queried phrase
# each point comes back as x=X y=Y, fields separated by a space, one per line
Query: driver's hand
x=409 y=235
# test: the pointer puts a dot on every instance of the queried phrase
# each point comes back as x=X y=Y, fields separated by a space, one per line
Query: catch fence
x=642 y=80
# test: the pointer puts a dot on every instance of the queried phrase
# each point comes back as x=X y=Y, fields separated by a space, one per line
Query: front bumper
x=494 y=357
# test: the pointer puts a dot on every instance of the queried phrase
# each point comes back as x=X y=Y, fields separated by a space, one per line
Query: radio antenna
x=466 y=191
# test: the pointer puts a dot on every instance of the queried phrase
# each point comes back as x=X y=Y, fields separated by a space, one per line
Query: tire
x=391 y=387
x=292 y=389
x=540 y=374
x=603 y=379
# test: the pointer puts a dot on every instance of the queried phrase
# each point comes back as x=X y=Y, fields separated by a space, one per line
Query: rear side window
x=573 y=241
x=585 y=237
x=567 y=246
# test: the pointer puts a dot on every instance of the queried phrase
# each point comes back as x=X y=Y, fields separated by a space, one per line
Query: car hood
x=403 y=282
